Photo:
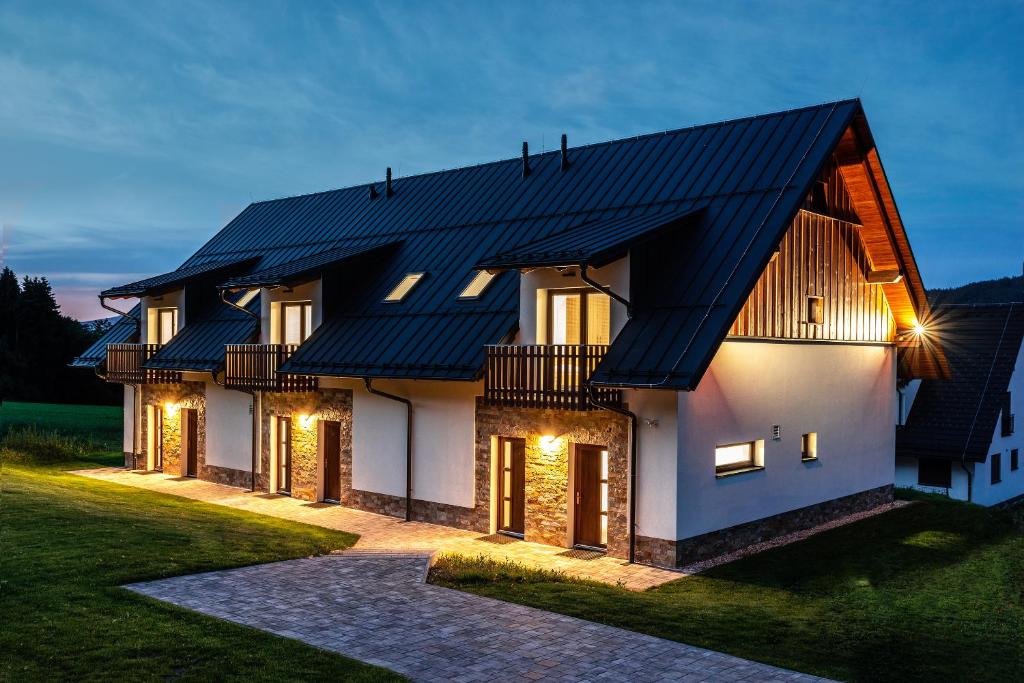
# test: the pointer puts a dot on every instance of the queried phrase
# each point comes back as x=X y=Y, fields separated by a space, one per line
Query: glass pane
x=604 y=530
x=737 y=454
x=307 y=328
x=477 y=285
x=565 y=319
x=599 y=321
x=507 y=516
x=604 y=465
x=508 y=482
x=292 y=324
x=403 y=287
x=604 y=497
x=167 y=324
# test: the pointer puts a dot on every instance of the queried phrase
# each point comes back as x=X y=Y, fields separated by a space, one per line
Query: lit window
x=296 y=322
x=809 y=446
x=403 y=287
x=737 y=456
x=477 y=285
x=815 y=310
x=167 y=324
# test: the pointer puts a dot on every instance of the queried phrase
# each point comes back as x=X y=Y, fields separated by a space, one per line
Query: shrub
x=29 y=444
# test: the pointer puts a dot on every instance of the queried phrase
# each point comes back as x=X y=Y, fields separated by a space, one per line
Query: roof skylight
x=477 y=285
x=403 y=287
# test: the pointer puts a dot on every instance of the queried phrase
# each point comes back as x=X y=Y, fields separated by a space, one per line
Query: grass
x=67 y=543
x=932 y=591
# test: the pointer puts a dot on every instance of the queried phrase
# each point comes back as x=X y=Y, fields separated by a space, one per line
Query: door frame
x=576 y=493
x=190 y=440
x=284 y=441
x=323 y=452
x=500 y=465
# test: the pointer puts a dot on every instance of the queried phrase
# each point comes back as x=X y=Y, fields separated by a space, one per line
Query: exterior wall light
x=171 y=408
x=550 y=444
x=307 y=420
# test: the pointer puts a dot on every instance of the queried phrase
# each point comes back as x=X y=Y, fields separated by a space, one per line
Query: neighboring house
x=959 y=436
x=667 y=346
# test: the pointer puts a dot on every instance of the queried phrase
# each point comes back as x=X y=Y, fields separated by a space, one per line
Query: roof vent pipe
x=526 y=159
x=565 y=154
x=373 y=191
x=387 y=184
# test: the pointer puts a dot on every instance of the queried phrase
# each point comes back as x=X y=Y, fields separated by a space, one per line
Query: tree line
x=36 y=344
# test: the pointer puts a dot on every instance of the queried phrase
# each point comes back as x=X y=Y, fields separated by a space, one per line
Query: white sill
x=730 y=473
x=814 y=459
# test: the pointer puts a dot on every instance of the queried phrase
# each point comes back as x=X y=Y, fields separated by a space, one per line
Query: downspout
x=606 y=289
x=256 y=402
x=408 y=442
x=632 y=464
x=232 y=304
x=136 y=388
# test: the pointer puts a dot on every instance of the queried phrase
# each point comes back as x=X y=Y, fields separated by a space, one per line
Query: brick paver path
x=377 y=608
x=390 y=533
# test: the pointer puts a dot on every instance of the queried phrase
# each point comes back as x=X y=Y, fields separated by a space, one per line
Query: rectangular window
x=997 y=468
x=599 y=316
x=736 y=456
x=1007 y=417
x=579 y=316
x=403 y=288
x=934 y=472
x=809 y=446
x=167 y=324
x=815 y=310
x=1014 y=460
x=296 y=322
x=477 y=285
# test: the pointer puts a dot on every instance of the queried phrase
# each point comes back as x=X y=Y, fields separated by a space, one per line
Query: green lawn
x=101 y=424
x=67 y=543
x=934 y=591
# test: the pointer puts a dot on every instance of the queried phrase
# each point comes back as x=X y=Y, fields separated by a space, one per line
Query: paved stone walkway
x=376 y=607
x=390 y=533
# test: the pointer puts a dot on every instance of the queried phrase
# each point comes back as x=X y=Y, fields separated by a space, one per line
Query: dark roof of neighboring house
x=957 y=417
x=174 y=279
x=199 y=346
x=294 y=271
x=594 y=243
x=748 y=175
x=123 y=330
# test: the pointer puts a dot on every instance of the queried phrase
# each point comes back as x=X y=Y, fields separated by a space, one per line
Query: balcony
x=544 y=376
x=254 y=367
x=125 y=361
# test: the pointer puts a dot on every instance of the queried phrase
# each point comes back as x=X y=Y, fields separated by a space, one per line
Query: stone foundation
x=226 y=475
x=180 y=395
x=547 y=471
x=723 y=541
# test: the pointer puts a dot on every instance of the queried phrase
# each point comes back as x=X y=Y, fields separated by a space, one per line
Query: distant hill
x=985 y=292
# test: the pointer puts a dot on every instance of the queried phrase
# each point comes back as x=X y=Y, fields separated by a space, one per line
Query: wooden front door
x=284 y=455
x=512 y=486
x=190 y=419
x=591 y=496
x=332 y=460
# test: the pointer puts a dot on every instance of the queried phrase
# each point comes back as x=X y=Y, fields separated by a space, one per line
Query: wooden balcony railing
x=544 y=376
x=254 y=367
x=125 y=361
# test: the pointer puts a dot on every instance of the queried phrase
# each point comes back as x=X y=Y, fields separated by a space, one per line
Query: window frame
x=584 y=294
x=996 y=468
x=820 y=308
x=418 y=278
x=948 y=472
x=477 y=275
x=735 y=468
x=158 y=318
x=283 y=322
x=1014 y=459
x=809 y=447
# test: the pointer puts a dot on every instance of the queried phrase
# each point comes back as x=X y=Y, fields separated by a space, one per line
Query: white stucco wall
x=845 y=393
x=1012 y=484
x=657 y=442
x=270 y=300
x=907 y=473
x=128 y=437
x=615 y=275
x=228 y=428
x=443 y=439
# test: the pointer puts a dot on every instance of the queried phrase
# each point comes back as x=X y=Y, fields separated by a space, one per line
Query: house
x=664 y=347
x=959 y=436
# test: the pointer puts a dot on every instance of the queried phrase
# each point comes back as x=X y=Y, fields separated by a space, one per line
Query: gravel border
x=704 y=565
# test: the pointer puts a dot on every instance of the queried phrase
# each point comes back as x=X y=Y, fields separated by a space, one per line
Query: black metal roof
x=122 y=331
x=956 y=418
x=174 y=279
x=594 y=243
x=199 y=346
x=295 y=271
x=687 y=285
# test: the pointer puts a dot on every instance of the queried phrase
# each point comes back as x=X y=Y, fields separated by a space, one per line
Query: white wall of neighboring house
x=533 y=297
x=443 y=438
x=843 y=392
x=1012 y=482
x=149 y=304
x=128 y=437
x=228 y=428
x=907 y=476
x=270 y=307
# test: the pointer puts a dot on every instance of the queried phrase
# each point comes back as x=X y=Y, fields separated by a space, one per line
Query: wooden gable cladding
x=819 y=257
x=888 y=248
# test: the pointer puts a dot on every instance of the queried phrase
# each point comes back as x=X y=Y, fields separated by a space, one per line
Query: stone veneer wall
x=181 y=395
x=325 y=404
x=547 y=473
x=713 y=544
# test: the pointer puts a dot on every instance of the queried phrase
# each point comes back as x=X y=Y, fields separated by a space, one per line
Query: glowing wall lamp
x=550 y=444
x=171 y=408
x=307 y=421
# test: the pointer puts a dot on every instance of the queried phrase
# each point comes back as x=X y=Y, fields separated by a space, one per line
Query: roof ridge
x=613 y=141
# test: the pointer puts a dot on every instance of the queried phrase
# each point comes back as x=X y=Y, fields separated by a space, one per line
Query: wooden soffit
x=888 y=248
